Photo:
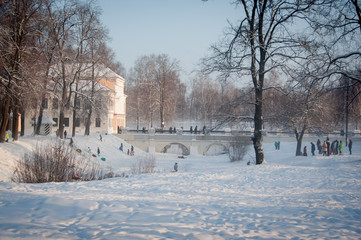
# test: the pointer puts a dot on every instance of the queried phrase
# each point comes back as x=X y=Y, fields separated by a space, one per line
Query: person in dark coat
x=319 y=146
x=336 y=148
x=65 y=133
x=98 y=151
x=313 y=148
x=350 y=146
x=328 y=146
x=332 y=151
x=176 y=167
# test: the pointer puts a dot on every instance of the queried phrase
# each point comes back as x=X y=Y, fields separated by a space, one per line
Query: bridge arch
x=215 y=149
x=185 y=150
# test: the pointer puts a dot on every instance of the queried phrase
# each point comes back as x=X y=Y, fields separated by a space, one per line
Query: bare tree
x=204 y=98
x=337 y=25
x=62 y=16
x=153 y=88
x=301 y=107
x=262 y=41
x=140 y=87
x=166 y=79
x=89 y=45
x=17 y=32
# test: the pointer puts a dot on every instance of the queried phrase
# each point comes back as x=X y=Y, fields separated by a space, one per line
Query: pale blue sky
x=183 y=29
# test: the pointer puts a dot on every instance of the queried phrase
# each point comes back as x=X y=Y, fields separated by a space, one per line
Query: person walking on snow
x=340 y=147
x=328 y=146
x=121 y=147
x=319 y=146
x=176 y=167
x=313 y=148
x=98 y=152
x=350 y=146
x=324 y=148
x=336 y=148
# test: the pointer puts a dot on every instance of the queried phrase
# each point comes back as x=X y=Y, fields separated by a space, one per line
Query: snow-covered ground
x=288 y=197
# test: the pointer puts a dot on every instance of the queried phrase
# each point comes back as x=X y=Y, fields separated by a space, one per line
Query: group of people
x=174 y=130
x=328 y=148
x=129 y=152
x=196 y=130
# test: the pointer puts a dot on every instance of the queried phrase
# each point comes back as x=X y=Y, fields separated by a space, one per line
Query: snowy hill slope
x=314 y=197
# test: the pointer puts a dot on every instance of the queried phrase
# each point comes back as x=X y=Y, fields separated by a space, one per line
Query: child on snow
x=305 y=151
x=7 y=137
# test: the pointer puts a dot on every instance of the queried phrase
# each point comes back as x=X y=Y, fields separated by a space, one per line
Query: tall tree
x=204 y=98
x=166 y=80
x=153 y=88
x=62 y=16
x=262 y=41
x=17 y=30
x=90 y=39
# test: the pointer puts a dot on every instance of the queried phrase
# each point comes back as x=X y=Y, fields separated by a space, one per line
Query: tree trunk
x=299 y=139
x=15 y=127
x=40 y=117
x=61 y=122
x=64 y=101
x=74 y=113
x=73 y=127
x=5 y=120
x=88 y=122
x=258 y=125
x=161 y=109
x=22 y=133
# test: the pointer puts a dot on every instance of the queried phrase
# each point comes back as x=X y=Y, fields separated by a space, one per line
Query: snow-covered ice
x=288 y=197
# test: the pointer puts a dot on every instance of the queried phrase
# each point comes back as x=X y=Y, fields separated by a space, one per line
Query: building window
x=77 y=122
x=56 y=122
x=45 y=103
x=66 y=122
x=97 y=122
x=55 y=103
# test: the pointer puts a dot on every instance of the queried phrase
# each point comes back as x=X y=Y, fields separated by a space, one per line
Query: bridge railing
x=355 y=133
x=181 y=132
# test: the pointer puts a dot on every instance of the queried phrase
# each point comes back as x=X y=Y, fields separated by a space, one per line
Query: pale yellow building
x=108 y=112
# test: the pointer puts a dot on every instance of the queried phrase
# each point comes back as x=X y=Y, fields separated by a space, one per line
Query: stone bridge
x=182 y=144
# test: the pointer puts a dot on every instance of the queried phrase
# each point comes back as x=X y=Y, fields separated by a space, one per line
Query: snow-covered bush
x=237 y=149
x=57 y=162
x=143 y=164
